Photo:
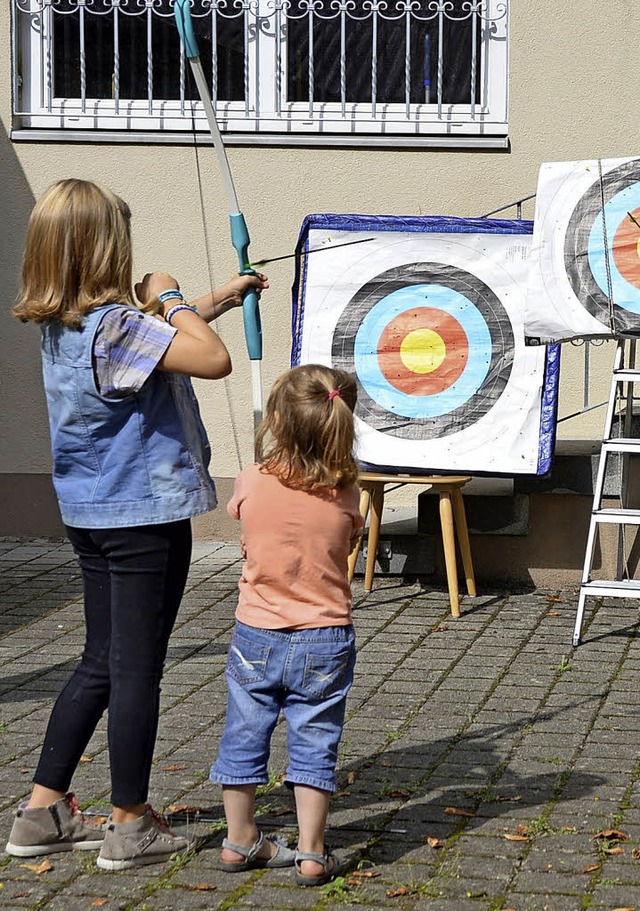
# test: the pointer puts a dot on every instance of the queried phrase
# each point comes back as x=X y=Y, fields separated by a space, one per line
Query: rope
x=607 y=259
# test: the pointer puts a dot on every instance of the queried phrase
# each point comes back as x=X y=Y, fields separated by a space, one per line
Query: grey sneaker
x=58 y=827
x=147 y=840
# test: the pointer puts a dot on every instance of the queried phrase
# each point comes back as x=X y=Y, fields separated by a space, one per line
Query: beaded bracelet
x=170 y=294
x=172 y=312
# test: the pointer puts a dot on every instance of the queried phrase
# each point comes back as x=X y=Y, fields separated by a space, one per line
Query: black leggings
x=134 y=579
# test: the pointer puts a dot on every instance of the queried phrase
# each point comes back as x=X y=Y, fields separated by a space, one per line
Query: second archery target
x=428 y=315
x=585 y=270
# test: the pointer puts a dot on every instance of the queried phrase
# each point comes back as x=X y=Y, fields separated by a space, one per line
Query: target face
x=428 y=342
x=585 y=279
x=602 y=247
x=428 y=317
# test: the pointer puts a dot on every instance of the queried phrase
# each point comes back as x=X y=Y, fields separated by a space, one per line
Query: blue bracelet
x=170 y=294
x=172 y=312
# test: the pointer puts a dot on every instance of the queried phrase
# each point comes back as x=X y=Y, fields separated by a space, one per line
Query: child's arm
x=196 y=350
x=229 y=295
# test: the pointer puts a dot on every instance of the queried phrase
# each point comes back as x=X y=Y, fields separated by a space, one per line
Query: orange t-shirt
x=295 y=544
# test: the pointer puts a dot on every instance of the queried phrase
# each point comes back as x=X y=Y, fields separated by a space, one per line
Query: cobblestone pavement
x=485 y=764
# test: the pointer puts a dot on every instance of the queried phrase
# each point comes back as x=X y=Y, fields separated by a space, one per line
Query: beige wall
x=574 y=86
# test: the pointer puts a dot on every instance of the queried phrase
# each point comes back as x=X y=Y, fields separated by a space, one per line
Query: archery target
x=431 y=326
x=430 y=343
x=585 y=278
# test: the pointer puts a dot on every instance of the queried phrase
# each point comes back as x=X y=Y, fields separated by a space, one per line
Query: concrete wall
x=573 y=87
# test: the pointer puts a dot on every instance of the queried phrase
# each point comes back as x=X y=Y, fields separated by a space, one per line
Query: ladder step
x=621 y=444
x=617 y=516
x=625 y=375
x=623 y=588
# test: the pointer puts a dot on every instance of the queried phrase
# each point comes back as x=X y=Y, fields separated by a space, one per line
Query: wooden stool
x=451 y=505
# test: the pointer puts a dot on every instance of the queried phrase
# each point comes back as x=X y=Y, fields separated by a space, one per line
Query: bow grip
x=250 y=299
x=182 y=12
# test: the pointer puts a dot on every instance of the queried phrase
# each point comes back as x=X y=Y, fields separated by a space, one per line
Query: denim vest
x=138 y=460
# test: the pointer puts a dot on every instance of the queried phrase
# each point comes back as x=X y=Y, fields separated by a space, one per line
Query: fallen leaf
x=636 y=853
x=399 y=794
x=434 y=842
x=504 y=798
x=591 y=868
x=99 y=902
x=569 y=829
x=612 y=835
x=365 y=874
x=441 y=628
x=477 y=894
x=618 y=849
x=174 y=768
x=522 y=829
x=351 y=777
x=554 y=599
x=623 y=909
x=39 y=868
x=204 y=887
x=85 y=758
x=512 y=837
x=24 y=771
x=394 y=893
x=552 y=613
x=385 y=763
x=282 y=811
x=456 y=811
x=21 y=894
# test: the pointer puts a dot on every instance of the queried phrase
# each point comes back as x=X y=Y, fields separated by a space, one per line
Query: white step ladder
x=619 y=587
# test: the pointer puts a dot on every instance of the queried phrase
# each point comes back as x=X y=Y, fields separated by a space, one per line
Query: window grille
x=304 y=67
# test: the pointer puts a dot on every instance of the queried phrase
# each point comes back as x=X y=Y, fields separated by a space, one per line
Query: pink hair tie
x=333 y=394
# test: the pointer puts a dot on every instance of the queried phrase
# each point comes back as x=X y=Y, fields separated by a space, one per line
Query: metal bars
x=343 y=66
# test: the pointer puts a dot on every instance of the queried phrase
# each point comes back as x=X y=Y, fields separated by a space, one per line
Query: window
x=287 y=68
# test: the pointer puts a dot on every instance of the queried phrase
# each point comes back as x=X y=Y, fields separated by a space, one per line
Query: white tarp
x=585 y=258
x=430 y=319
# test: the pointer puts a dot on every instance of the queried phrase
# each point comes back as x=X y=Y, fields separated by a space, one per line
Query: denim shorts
x=306 y=674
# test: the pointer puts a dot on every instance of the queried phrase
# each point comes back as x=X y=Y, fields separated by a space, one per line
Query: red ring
x=456 y=344
x=625 y=249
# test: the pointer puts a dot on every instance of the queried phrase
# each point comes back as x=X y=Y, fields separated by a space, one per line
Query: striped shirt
x=127 y=349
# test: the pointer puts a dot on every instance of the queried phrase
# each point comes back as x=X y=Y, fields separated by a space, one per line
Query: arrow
x=239 y=232
x=275 y=259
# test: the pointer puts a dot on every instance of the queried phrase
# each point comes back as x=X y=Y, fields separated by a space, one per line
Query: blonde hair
x=307 y=436
x=77 y=254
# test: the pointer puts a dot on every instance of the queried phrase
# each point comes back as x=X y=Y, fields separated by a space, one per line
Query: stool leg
x=377 y=505
x=449 y=547
x=365 y=501
x=463 y=540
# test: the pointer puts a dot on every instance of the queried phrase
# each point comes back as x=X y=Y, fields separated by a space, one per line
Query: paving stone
x=493 y=715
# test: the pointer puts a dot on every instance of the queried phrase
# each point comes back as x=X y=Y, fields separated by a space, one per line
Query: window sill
x=120 y=137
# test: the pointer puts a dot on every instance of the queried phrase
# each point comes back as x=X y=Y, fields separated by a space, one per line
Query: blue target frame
x=460 y=294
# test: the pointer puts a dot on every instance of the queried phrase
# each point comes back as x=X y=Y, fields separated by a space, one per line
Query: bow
x=239 y=231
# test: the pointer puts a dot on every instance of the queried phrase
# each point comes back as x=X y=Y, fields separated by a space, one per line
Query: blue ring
x=616 y=210
x=392 y=305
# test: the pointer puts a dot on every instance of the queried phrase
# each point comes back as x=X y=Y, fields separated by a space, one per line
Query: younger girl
x=293 y=646
x=130 y=461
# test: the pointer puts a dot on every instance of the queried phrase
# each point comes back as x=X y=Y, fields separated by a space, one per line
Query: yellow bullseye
x=422 y=351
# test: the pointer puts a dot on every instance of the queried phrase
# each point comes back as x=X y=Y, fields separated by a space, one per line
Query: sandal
x=284 y=857
x=328 y=861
